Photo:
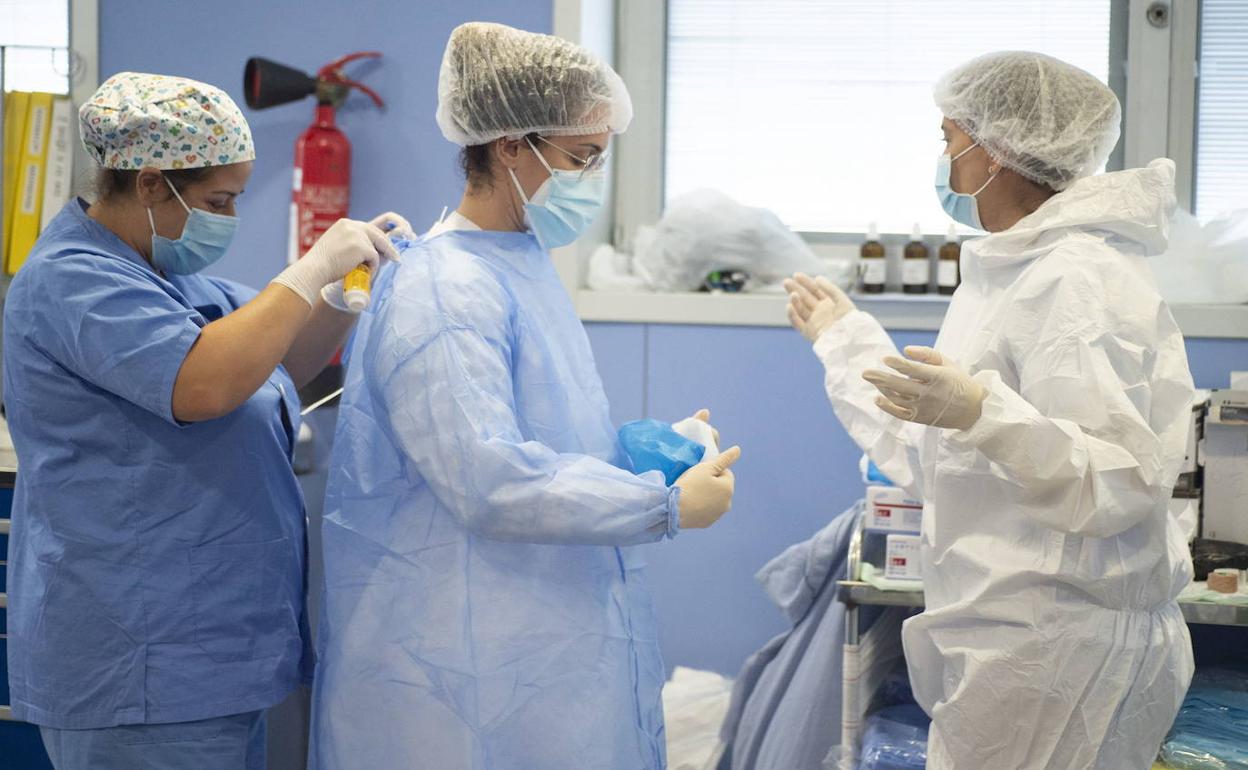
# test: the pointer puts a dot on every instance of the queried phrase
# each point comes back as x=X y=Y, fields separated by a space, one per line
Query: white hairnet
x=500 y=81
x=1048 y=120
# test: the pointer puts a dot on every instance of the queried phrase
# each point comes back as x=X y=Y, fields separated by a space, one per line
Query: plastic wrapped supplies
x=705 y=241
x=1205 y=263
x=895 y=739
x=705 y=231
x=1211 y=731
x=611 y=270
x=694 y=705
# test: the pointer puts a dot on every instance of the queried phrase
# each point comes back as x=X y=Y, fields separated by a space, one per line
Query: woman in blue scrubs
x=157 y=563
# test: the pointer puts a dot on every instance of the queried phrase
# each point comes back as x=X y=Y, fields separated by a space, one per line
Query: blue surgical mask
x=963 y=207
x=205 y=237
x=565 y=205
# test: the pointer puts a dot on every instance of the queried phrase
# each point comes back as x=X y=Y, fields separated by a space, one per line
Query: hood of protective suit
x=1134 y=207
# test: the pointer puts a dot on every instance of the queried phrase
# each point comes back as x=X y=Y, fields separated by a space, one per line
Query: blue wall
x=763 y=386
x=798 y=468
x=401 y=162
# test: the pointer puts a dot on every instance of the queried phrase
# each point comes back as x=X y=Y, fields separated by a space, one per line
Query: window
x=1222 y=108
x=35 y=45
x=821 y=110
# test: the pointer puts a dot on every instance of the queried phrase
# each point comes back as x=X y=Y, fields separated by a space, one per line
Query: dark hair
x=113 y=183
x=477 y=166
x=474 y=162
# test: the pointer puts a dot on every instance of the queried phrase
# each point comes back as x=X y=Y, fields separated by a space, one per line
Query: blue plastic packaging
x=654 y=446
x=871 y=474
x=895 y=739
x=1211 y=731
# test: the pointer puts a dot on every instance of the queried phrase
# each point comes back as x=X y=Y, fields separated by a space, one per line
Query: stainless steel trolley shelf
x=856 y=593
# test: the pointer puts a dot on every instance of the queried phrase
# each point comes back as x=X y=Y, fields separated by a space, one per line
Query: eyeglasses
x=593 y=163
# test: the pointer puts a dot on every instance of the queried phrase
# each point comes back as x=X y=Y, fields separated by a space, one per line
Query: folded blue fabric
x=654 y=446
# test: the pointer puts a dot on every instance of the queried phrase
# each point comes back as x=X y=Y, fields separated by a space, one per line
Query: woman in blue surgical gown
x=484 y=606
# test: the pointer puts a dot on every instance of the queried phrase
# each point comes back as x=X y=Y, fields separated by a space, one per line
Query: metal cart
x=855 y=593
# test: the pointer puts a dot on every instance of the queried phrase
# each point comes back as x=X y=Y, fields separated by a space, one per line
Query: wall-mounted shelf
x=911 y=312
x=895 y=311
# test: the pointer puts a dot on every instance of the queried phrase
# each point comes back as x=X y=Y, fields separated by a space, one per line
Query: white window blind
x=35 y=40
x=1222 y=112
x=821 y=110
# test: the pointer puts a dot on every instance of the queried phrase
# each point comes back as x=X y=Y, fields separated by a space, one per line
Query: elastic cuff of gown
x=992 y=418
x=673 y=511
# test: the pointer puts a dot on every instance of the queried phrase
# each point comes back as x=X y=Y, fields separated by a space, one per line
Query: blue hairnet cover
x=654 y=446
x=484 y=607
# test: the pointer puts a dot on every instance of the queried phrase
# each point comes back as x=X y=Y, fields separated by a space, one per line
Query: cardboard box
x=901 y=559
x=891 y=510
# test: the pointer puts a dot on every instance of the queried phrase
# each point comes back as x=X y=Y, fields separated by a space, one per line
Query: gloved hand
x=393 y=224
x=704 y=415
x=706 y=490
x=933 y=392
x=815 y=304
x=390 y=223
x=346 y=245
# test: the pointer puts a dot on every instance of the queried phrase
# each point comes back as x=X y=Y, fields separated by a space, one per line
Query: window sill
x=922 y=312
x=917 y=312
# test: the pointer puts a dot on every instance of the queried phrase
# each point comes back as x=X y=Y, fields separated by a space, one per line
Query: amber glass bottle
x=917 y=266
x=948 y=273
x=872 y=265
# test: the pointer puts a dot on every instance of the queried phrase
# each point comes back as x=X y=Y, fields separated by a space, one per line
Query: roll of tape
x=1224 y=581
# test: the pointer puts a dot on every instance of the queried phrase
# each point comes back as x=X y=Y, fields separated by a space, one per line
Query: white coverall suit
x=1052 y=639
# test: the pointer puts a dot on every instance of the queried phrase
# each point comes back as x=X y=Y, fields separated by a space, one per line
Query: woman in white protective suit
x=1044 y=432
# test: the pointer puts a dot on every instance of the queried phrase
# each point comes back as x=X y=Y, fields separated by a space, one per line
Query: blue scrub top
x=156 y=569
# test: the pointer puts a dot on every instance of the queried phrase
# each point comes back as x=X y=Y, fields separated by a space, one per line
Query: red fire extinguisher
x=321 y=188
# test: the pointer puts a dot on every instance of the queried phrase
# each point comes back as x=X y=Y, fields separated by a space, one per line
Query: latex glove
x=815 y=304
x=706 y=490
x=334 y=296
x=932 y=392
x=346 y=245
x=390 y=223
x=393 y=224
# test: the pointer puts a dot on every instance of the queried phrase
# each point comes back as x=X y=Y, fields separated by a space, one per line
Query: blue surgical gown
x=483 y=608
x=156 y=568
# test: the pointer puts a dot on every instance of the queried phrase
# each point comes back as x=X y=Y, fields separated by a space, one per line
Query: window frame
x=84 y=47
x=1142 y=55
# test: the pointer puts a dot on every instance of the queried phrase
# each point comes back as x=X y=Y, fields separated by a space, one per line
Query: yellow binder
x=28 y=198
x=15 y=103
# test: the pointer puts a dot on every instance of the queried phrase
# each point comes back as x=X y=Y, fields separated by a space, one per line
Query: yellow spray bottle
x=357 y=289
